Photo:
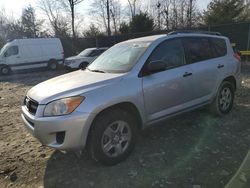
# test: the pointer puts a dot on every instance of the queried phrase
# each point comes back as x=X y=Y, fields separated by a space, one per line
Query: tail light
x=237 y=56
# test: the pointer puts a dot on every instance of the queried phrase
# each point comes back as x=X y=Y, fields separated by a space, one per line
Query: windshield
x=3 y=49
x=85 y=53
x=120 y=58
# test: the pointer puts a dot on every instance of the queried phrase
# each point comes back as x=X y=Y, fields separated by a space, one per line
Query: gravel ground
x=193 y=150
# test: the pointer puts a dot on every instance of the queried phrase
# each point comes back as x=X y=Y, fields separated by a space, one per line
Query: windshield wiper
x=100 y=71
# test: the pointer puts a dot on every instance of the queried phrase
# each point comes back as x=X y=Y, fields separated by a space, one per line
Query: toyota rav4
x=132 y=85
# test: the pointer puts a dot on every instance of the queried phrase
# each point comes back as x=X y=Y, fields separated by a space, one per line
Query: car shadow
x=191 y=149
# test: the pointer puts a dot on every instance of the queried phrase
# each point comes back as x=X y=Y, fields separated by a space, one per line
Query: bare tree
x=133 y=6
x=115 y=11
x=70 y=5
x=107 y=12
x=55 y=14
x=183 y=6
x=166 y=13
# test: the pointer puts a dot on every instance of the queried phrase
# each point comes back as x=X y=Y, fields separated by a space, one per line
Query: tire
x=53 y=65
x=83 y=65
x=223 y=102
x=112 y=137
x=5 y=70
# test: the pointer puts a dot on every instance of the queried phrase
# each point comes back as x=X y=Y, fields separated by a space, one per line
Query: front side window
x=170 y=52
x=197 y=49
x=13 y=50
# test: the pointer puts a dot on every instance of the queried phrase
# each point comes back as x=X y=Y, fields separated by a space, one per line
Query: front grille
x=31 y=105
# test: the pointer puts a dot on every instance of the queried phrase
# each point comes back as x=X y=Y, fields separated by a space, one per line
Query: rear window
x=198 y=49
x=220 y=46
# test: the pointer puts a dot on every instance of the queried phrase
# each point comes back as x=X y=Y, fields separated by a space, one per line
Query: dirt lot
x=193 y=150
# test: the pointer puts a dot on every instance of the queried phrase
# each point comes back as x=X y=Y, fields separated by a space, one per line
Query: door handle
x=18 y=57
x=220 y=66
x=187 y=74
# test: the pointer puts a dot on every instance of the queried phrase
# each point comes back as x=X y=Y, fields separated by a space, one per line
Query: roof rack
x=194 y=31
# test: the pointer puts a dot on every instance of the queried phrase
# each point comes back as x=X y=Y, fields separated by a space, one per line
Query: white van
x=22 y=54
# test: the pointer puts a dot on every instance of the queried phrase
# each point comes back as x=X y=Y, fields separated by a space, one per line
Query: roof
x=153 y=38
x=145 y=39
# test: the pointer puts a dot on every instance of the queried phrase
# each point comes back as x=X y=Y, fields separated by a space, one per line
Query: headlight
x=62 y=106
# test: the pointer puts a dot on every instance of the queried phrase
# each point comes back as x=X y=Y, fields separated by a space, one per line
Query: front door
x=12 y=57
x=171 y=90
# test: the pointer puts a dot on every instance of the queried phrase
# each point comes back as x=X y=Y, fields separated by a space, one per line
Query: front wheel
x=224 y=99
x=5 y=70
x=113 y=137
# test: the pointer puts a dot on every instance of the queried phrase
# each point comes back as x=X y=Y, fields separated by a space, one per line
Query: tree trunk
x=73 y=19
x=190 y=13
x=108 y=14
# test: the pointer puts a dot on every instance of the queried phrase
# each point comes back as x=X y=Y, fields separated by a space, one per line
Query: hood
x=71 y=84
x=74 y=58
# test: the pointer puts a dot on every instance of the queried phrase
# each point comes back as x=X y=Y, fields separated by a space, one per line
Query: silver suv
x=132 y=85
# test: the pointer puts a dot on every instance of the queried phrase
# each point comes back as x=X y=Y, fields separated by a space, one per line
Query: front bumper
x=67 y=132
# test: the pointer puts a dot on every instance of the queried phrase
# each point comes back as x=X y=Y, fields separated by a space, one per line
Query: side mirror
x=5 y=54
x=156 y=66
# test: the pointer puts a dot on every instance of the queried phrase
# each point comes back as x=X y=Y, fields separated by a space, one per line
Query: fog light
x=60 y=137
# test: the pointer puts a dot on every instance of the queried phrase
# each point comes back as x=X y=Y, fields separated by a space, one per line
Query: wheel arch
x=127 y=106
x=51 y=60
x=83 y=62
x=232 y=80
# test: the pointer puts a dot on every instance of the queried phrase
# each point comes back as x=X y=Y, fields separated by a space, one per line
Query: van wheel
x=224 y=99
x=5 y=70
x=112 y=137
x=53 y=65
x=83 y=65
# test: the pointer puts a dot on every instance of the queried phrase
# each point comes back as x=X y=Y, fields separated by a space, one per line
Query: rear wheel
x=224 y=99
x=112 y=137
x=52 y=65
x=5 y=70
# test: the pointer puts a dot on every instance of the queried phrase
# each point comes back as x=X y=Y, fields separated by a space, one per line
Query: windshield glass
x=85 y=53
x=3 y=49
x=120 y=58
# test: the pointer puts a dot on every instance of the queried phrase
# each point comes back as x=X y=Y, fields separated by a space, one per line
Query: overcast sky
x=14 y=7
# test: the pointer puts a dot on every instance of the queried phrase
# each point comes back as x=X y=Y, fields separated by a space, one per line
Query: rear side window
x=198 y=49
x=171 y=52
x=220 y=46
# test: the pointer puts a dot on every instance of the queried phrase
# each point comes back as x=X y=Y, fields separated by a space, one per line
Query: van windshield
x=3 y=49
x=120 y=58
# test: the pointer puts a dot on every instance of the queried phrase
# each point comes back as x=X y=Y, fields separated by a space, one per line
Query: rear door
x=168 y=91
x=206 y=66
